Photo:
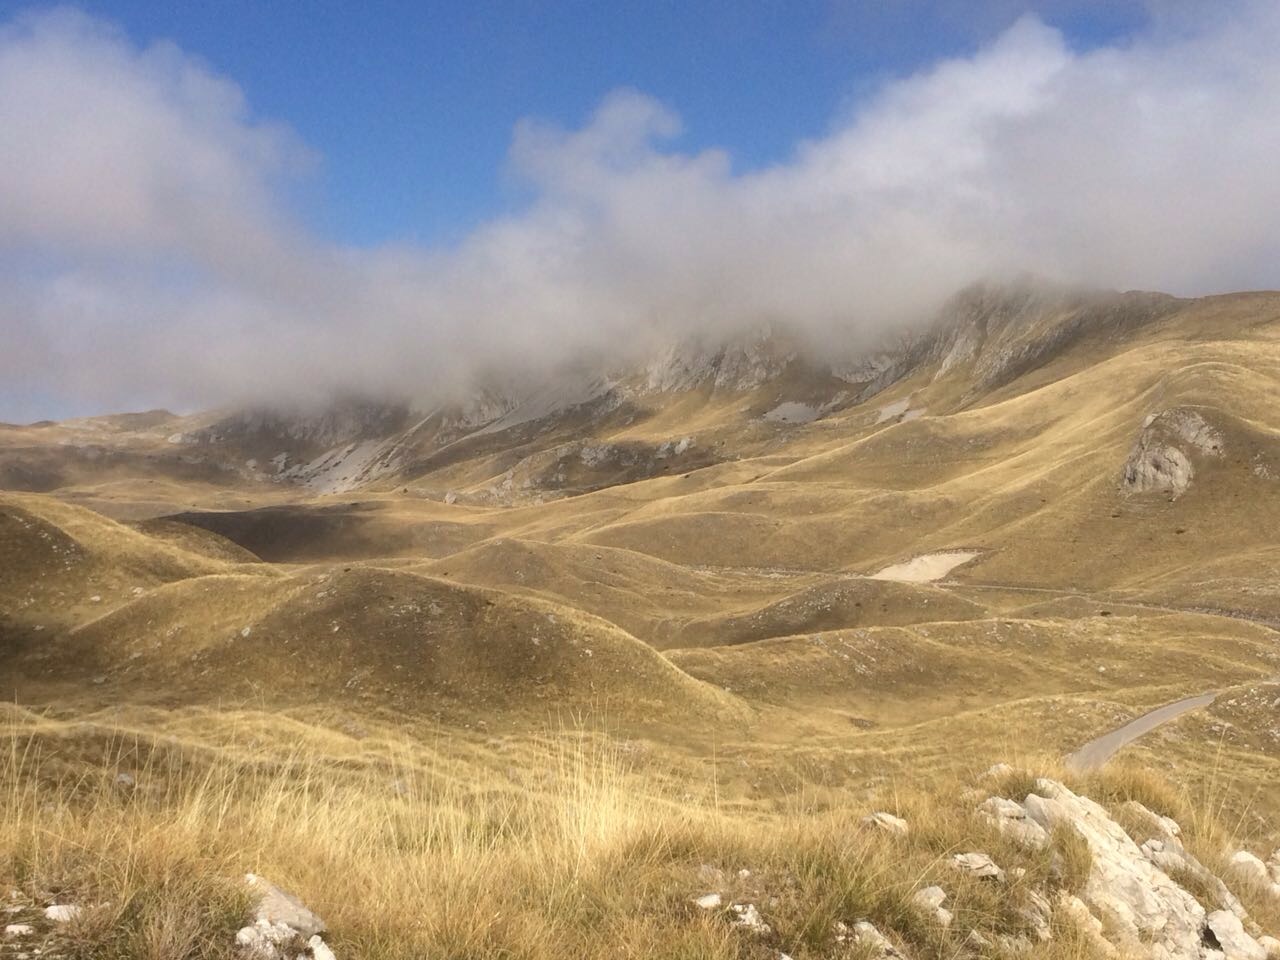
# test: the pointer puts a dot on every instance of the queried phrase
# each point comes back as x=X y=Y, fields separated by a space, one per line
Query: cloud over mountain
x=148 y=253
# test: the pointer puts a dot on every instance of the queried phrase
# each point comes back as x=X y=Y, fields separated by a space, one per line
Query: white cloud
x=145 y=255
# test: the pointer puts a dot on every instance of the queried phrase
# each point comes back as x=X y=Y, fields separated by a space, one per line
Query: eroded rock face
x=1128 y=890
x=1161 y=460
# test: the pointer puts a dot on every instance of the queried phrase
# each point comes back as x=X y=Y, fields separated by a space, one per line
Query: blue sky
x=409 y=106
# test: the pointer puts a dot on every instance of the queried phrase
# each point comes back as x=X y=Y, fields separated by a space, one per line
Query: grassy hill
x=725 y=577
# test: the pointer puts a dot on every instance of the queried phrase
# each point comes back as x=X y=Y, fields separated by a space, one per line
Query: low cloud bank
x=147 y=255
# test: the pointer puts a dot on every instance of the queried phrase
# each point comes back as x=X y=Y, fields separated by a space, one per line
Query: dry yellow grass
x=408 y=852
x=413 y=849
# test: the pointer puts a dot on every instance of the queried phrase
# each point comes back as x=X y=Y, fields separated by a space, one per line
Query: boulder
x=276 y=906
x=1231 y=937
x=929 y=900
x=62 y=912
x=866 y=935
x=978 y=865
x=887 y=822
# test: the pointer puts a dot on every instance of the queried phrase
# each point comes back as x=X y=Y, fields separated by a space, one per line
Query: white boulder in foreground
x=1144 y=911
x=280 y=921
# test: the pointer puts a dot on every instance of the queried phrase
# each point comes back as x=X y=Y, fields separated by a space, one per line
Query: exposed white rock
x=1271 y=945
x=1078 y=912
x=278 y=906
x=978 y=865
x=1148 y=912
x=747 y=917
x=1166 y=828
x=320 y=950
x=887 y=822
x=1230 y=934
x=708 y=901
x=1160 y=460
x=19 y=930
x=1170 y=855
x=1010 y=818
x=930 y=900
x=1038 y=913
x=867 y=936
x=265 y=940
x=62 y=912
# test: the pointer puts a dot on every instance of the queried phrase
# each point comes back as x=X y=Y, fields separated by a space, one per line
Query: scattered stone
x=865 y=934
x=19 y=930
x=977 y=939
x=978 y=865
x=887 y=822
x=265 y=940
x=997 y=770
x=62 y=912
x=708 y=901
x=320 y=950
x=1230 y=935
x=281 y=907
x=747 y=917
x=930 y=900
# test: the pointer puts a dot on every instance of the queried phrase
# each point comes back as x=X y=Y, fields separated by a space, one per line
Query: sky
x=204 y=204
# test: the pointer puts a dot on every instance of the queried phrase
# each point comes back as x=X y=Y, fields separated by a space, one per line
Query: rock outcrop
x=1132 y=891
x=1163 y=457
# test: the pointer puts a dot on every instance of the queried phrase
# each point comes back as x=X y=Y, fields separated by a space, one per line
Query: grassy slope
x=785 y=682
